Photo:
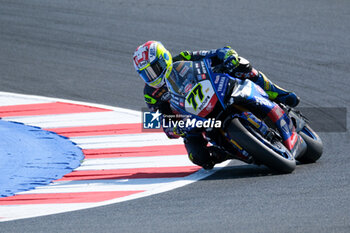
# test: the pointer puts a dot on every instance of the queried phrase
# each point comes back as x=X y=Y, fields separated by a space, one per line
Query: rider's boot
x=217 y=155
x=277 y=93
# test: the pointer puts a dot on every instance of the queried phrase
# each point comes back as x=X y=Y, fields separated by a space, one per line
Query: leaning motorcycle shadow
x=238 y=171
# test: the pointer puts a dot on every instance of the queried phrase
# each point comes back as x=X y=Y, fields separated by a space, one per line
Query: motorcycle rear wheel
x=314 y=145
x=265 y=152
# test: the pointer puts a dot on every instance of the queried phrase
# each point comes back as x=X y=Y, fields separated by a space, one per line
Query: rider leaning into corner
x=154 y=63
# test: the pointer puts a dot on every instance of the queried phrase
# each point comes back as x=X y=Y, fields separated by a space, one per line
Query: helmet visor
x=153 y=71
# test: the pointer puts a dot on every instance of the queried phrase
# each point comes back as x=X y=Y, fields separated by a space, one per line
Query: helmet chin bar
x=159 y=82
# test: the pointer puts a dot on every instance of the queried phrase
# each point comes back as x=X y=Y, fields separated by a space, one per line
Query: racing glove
x=229 y=57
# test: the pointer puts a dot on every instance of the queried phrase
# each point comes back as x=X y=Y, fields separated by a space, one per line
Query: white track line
x=124 y=140
x=8 y=99
x=135 y=162
x=77 y=119
x=102 y=185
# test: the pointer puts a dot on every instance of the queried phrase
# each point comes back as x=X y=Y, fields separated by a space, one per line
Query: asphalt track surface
x=82 y=50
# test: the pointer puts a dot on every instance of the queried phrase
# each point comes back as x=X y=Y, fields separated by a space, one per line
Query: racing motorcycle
x=252 y=128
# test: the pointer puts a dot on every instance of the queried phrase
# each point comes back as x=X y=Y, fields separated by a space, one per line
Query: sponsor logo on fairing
x=221 y=84
x=204 y=103
x=203 y=67
x=184 y=71
x=188 y=87
x=217 y=78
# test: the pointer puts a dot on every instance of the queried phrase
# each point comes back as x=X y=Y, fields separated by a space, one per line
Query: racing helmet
x=153 y=63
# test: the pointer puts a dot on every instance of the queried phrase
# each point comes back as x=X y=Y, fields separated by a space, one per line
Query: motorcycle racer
x=154 y=64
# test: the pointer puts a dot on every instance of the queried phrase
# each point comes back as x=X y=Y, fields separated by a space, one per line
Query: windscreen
x=182 y=79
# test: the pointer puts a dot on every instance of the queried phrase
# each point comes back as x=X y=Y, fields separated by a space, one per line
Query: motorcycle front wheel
x=271 y=153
